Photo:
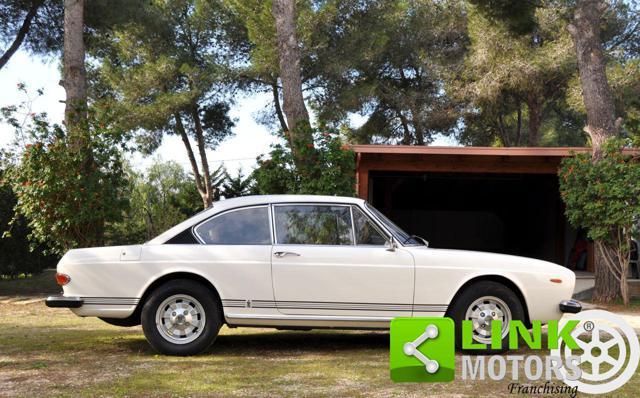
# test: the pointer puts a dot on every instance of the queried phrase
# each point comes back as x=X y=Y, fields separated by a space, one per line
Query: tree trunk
x=607 y=287
x=534 y=120
x=204 y=162
x=192 y=159
x=406 y=137
x=417 y=126
x=22 y=32
x=74 y=73
x=598 y=102
x=596 y=93
x=503 y=131
x=276 y=103
x=519 y=125
x=290 y=76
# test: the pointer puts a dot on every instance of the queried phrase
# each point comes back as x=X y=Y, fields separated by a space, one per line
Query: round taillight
x=62 y=279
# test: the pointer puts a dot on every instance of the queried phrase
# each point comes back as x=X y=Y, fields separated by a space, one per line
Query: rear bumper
x=64 y=302
x=570 y=306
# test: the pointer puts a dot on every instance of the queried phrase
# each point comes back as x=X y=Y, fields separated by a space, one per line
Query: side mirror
x=426 y=242
x=392 y=245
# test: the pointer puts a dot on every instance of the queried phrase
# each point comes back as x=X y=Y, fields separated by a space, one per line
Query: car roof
x=244 y=201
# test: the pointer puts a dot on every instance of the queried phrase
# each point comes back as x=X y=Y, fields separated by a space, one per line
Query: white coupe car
x=300 y=262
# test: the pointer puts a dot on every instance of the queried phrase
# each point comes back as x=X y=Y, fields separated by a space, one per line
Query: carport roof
x=469 y=150
x=439 y=159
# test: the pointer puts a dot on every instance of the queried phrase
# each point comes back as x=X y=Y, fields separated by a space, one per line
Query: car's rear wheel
x=482 y=303
x=181 y=317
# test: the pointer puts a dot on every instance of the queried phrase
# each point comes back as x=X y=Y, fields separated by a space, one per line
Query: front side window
x=238 y=227
x=366 y=232
x=313 y=224
x=397 y=232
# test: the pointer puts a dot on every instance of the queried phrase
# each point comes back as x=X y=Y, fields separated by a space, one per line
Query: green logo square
x=422 y=349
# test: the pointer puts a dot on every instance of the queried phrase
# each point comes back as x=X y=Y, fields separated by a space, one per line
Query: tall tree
x=299 y=132
x=598 y=101
x=170 y=75
x=514 y=84
x=585 y=21
x=74 y=73
x=597 y=96
x=387 y=61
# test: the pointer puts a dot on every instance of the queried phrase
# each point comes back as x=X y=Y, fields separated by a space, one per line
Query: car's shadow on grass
x=283 y=342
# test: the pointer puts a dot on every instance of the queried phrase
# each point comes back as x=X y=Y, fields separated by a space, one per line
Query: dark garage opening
x=517 y=214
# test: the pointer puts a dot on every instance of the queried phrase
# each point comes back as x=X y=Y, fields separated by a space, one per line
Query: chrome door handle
x=284 y=254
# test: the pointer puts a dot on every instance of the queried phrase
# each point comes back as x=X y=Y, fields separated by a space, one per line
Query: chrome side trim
x=110 y=300
x=310 y=318
x=338 y=306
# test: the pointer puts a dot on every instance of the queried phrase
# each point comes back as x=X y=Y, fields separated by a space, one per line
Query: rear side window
x=313 y=225
x=237 y=227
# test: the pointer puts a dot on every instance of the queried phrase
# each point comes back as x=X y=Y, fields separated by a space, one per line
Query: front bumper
x=570 y=306
x=64 y=302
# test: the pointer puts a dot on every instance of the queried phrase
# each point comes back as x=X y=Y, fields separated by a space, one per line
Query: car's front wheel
x=181 y=317
x=482 y=303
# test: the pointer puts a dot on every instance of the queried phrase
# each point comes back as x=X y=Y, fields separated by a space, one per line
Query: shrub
x=68 y=192
x=331 y=173
x=604 y=198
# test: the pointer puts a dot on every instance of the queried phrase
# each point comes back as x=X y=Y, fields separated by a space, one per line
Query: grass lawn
x=51 y=352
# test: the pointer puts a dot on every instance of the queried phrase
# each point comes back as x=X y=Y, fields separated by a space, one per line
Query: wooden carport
x=376 y=160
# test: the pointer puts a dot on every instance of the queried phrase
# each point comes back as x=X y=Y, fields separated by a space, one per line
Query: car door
x=332 y=259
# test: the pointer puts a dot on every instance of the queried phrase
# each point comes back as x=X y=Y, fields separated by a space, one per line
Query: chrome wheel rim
x=180 y=319
x=482 y=312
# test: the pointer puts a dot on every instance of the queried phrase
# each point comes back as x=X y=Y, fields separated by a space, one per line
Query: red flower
x=310 y=145
x=28 y=146
x=345 y=147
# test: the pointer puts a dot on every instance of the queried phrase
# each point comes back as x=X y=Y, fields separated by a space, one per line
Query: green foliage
x=159 y=199
x=240 y=185
x=67 y=194
x=44 y=35
x=331 y=173
x=16 y=255
x=515 y=85
x=164 y=196
x=517 y=15
x=175 y=62
x=604 y=196
x=387 y=61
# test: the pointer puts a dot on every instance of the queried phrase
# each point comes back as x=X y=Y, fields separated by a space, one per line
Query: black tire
x=205 y=297
x=123 y=322
x=472 y=293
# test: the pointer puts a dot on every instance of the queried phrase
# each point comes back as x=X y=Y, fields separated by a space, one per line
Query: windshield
x=398 y=233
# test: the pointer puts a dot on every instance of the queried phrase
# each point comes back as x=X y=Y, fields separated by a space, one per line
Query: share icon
x=411 y=348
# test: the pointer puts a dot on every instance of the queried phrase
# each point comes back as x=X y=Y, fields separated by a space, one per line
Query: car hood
x=485 y=261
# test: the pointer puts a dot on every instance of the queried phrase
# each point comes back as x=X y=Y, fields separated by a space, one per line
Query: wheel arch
x=173 y=276
x=493 y=278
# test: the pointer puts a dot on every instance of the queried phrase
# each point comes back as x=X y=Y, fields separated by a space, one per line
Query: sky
x=250 y=140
